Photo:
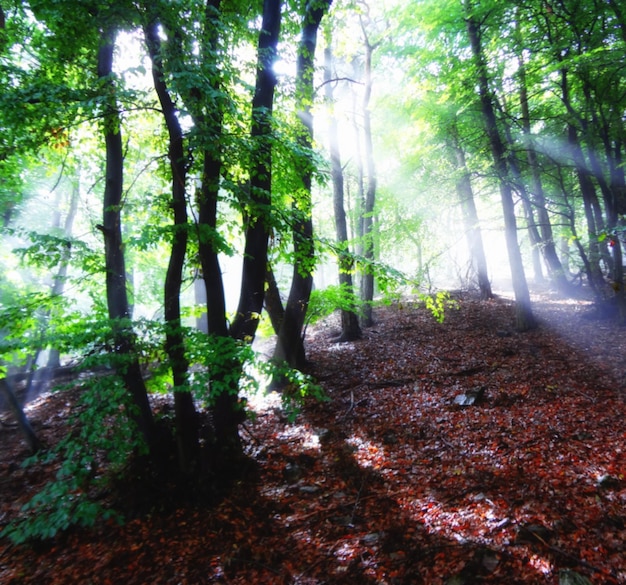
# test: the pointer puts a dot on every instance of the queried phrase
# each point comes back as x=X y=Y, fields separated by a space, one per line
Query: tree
x=350 y=328
x=184 y=408
x=523 y=312
x=115 y=269
x=369 y=199
x=290 y=344
x=470 y=216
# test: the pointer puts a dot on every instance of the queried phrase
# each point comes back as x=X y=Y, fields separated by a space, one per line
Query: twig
x=576 y=559
x=356 y=502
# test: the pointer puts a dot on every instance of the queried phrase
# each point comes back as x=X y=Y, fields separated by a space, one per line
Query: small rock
x=533 y=533
x=325 y=435
x=608 y=482
x=490 y=561
x=371 y=539
x=471 y=397
x=292 y=472
x=390 y=438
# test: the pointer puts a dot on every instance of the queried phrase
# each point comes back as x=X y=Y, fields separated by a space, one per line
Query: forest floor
x=392 y=480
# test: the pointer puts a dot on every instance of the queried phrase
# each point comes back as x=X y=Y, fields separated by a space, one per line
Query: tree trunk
x=523 y=313
x=33 y=442
x=186 y=419
x=127 y=365
x=54 y=357
x=538 y=203
x=273 y=301
x=290 y=343
x=593 y=215
x=367 y=279
x=350 y=328
x=258 y=218
x=227 y=414
x=199 y=291
x=470 y=219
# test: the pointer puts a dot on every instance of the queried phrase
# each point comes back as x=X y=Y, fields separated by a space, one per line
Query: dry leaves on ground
x=460 y=452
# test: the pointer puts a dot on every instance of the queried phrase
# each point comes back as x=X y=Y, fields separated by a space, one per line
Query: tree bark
x=290 y=343
x=538 y=203
x=117 y=299
x=523 y=312
x=367 y=279
x=186 y=420
x=258 y=218
x=273 y=302
x=227 y=411
x=350 y=328
x=33 y=442
x=470 y=219
x=54 y=357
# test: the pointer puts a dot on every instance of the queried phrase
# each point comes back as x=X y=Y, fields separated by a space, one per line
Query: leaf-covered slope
x=392 y=481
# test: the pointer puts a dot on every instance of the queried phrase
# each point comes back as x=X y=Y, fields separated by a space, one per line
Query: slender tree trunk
x=367 y=279
x=209 y=124
x=199 y=291
x=273 y=302
x=33 y=442
x=470 y=219
x=227 y=413
x=290 y=343
x=524 y=317
x=350 y=328
x=54 y=358
x=595 y=222
x=536 y=243
x=258 y=219
x=184 y=409
x=117 y=298
x=538 y=203
x=613 y=192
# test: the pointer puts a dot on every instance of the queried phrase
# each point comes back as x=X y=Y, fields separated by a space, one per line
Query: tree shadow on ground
x=391 y=481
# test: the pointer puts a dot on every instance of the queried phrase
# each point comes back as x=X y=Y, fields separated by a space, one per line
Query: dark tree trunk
x=593 y=215
x=529 y=210
x=227 y=412
x=226 y=415
x=593 y=212
x=117 y=299
x=613 y=193
x=470 y=219
x=290 y=343
x=350 y=328
x=186 y=420
x=209 y=125
x=258 y=218
x=273 y=302
x=33 y=442
x=523 y=313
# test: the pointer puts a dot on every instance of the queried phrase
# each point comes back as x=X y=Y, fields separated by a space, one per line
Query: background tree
x=350 y=328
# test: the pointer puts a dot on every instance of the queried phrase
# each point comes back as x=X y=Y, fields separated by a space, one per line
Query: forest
x=312 y=292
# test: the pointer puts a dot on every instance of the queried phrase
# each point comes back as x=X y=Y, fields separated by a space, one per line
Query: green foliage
x=297 y=388
x=105 y=439
x=221 y=365
x=438 y=303
x=334 y=297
